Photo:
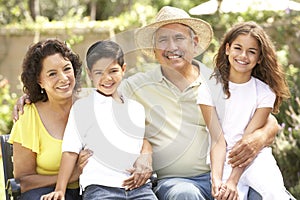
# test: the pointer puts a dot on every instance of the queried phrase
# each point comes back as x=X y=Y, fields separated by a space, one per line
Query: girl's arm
x=246 y=149
x=258 y=120
x=218 y=146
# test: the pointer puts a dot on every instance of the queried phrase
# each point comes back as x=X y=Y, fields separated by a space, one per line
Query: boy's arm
x=67 y=164
x=218 y=146
x=245 y=150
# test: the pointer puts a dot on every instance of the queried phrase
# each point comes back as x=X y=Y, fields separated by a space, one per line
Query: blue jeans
x=35 y=194
x=190 y=188
x=96 y=192
x=253 y=195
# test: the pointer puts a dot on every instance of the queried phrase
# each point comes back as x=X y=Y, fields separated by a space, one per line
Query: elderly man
x=174 y=124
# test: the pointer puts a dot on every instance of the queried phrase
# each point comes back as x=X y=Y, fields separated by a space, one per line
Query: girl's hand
x=231 y=192
x=217 y=185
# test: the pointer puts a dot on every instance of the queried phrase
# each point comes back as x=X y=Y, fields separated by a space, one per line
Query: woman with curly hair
x=50 y=76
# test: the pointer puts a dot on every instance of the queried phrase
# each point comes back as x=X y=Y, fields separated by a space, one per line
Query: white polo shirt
x=113 y=131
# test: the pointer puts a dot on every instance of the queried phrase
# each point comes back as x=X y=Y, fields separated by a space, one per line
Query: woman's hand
x=80 y=164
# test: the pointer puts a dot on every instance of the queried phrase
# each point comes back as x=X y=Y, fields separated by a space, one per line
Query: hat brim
x=144 y=35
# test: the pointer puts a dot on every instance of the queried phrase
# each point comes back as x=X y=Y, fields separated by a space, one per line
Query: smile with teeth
x=107 y=85
x=63 y=87
x=241 y=62
x=173 y=57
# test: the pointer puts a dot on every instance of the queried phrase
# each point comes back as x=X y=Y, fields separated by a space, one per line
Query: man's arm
x=19 y=107
x=142 y=169
x=245 y=150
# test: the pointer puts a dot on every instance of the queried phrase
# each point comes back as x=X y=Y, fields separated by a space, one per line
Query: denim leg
x=192 y=188
x=253 y=195
x=142 y=193
x=96 y=192
x=35 y=194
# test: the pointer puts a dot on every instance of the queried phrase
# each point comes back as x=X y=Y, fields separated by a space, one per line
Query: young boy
x=108 y=124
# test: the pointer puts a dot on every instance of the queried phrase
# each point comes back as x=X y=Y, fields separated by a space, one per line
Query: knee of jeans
x=183 y=191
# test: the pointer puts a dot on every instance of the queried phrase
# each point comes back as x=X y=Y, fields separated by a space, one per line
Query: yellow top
x=30 y=132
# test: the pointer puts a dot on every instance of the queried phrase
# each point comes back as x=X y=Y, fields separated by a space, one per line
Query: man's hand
x=141 y=172
x=18 y=108
x=245 y=150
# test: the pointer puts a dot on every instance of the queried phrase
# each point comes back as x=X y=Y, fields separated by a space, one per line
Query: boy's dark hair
x=104 y=49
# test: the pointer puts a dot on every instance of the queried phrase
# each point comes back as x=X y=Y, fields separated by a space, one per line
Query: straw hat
x=169 y=15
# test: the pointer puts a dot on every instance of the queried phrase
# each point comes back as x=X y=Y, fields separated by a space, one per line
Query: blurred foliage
x=7 y=101
x=121 y=15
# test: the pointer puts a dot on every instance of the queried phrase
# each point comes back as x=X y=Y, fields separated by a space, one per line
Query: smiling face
x=174 y=46
x=107 y=75
x=57 y=77
x=243 y=55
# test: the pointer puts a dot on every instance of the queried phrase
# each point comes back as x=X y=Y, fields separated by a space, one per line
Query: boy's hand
x=59 y=195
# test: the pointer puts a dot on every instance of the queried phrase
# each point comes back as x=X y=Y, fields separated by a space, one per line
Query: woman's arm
x=67 y=165
x=25 y=169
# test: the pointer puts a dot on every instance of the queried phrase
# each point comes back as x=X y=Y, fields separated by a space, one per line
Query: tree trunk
x=34 y=8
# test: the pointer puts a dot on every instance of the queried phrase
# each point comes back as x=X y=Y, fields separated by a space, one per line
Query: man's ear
x=195 y=41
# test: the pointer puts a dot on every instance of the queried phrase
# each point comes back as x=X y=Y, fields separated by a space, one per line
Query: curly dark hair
x=32 y=66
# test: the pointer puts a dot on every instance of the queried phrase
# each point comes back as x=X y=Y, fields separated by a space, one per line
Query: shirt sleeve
x=266 y=97
x=71 y=139
x=204 y=95
x=27 y=129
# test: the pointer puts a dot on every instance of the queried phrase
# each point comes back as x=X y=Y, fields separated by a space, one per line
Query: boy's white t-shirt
x=244 y=99
x=113 y=131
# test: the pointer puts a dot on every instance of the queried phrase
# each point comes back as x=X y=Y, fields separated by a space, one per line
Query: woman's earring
x=42 y=91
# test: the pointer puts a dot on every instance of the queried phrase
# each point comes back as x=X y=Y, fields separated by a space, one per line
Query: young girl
x=110 y=125
x=254 y=85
